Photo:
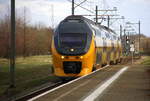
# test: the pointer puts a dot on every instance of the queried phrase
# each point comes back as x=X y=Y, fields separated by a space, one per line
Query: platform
x=113 y=83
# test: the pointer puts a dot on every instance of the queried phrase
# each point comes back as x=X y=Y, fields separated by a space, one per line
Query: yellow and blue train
x=80 y=46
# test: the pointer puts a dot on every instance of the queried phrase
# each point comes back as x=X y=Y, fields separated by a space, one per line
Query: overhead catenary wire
x=80 y=3
x=82 y=7
x=104 y=8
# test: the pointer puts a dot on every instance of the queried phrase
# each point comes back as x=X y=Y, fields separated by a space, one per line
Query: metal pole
x=72 y=7
x=108 y=21
x=24 y=50
x=13 y=46
x=121 y=32
x=125 y=42
x=124 y=31
x=129 y=37
x=96 y=14
x=139 y=36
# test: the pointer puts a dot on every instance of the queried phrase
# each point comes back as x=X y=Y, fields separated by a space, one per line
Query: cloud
x=140 y=1
x=4 y=6
x=4 y=1
x=40 y=10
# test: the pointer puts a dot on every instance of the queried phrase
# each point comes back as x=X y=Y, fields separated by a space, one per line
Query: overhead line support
x=72 y=7
x=96 y=12
x=13 y=46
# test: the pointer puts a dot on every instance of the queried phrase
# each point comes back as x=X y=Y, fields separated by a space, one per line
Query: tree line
x=145 y=45
x=35 y=39
x=30 y=39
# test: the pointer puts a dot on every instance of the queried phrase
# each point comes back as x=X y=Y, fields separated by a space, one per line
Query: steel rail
x=38 y=91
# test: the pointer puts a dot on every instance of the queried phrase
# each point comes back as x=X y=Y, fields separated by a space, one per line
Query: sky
x=40 y=11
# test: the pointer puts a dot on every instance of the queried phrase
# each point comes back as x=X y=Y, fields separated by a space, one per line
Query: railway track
x=38 y=91
x=46 y=87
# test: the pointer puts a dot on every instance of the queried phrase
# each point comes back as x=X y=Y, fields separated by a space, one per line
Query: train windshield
x=75 y=40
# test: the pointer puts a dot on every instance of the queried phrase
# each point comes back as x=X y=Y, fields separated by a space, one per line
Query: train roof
x=79 y=17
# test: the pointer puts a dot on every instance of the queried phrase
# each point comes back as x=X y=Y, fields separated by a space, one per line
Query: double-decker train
x=80 y=46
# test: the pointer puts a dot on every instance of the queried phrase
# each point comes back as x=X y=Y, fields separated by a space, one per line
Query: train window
x=98 y=32
x=107 y=35
x=73 y=20
x=103 y=34
x=72 y=39
x=114 y=37
x=110 y=37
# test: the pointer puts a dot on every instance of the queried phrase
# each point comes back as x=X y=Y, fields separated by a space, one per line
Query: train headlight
x=72 y=50
x=62 y=57
x=81 y=57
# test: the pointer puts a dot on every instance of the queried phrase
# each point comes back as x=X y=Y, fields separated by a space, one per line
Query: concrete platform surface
x=132 y=84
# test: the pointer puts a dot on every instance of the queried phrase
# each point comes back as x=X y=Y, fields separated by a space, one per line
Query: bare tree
x=24 y=37
x=30 y=39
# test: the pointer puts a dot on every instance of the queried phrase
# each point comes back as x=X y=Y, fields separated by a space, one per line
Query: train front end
x=73 y=48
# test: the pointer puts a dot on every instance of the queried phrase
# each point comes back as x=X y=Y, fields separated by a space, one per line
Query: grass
x=146 y=61
x=30 y=72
